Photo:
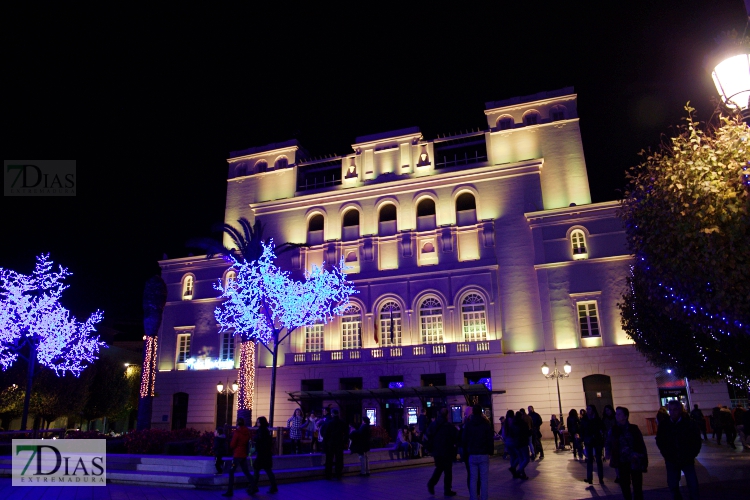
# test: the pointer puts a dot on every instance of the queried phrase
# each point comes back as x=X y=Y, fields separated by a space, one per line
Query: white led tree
x=36 y=327
x=265 y=304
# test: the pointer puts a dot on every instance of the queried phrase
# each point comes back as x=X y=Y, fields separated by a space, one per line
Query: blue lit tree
x=37 y=328
x=265 y=304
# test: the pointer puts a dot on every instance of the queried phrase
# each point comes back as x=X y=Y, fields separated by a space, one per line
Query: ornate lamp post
x=227 y=390
x=557 y=375
x=730 y=69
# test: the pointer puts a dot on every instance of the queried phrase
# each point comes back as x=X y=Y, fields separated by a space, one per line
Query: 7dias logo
x=39 y=178
x=68 y=462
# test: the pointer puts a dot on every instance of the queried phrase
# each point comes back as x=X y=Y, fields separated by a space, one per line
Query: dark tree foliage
x=687 y=219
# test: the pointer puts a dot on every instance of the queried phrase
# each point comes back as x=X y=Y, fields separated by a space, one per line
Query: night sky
x=151 y=102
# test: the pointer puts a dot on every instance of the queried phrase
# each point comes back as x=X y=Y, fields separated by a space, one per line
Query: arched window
x=351 y=328
x=281 y=162
x=387 y=213
x=532 y=118
x=350 y=225
x=431 y=321
x=474 y=318
x=465 y=201
x=187 y=287
x=426 y=207
x=504 y=122
x=390 y=324
x=557 y=113
x=314 y=337
x=351 y=218
x=241 y=170
x=229 y=277
x=315 y=227
x=261 y=166
x=578 y=242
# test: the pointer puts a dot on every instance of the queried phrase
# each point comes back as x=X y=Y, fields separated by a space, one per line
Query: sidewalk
x=722 y=472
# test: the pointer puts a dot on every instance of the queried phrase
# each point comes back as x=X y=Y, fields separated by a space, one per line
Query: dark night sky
x=150 y=103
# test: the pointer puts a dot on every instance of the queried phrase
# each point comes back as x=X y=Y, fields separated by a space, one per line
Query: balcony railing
x=396 y=352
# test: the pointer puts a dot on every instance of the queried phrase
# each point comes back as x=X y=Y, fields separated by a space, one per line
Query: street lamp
x=557 y=375
x=730 y=69
x=227 y=391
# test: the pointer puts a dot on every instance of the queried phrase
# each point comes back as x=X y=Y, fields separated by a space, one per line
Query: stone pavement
x=722 y=472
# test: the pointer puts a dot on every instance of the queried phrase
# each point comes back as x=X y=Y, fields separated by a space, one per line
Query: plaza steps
x=198 y=472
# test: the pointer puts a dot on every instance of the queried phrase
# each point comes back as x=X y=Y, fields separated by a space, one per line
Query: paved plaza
x=722 y=472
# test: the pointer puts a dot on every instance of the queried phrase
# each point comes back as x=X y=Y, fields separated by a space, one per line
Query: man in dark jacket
x=443 y=435
x=536 y=432
x=335 y=434
x=478 y=441
x=679 y=441
x=698 y=418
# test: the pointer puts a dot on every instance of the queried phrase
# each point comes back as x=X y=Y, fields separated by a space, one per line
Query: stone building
x=478 y=257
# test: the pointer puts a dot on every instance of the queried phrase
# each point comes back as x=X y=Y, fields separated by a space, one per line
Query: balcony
x=407 y=352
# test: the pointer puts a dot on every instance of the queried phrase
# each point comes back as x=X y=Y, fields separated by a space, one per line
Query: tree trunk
x=29 y=385
x=273 y=378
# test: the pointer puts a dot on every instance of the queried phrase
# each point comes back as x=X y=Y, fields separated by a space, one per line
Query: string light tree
x=36 y=327
x=265 y=304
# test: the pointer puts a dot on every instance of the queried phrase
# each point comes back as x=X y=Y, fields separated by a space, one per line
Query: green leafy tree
x=110 y=390
x=687 y=218
x=54 y=397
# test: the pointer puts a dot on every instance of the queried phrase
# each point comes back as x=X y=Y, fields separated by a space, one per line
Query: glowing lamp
x=220 y=386
x=235 y=386
x=567 y=368
x=545 y=369
x=732 y=79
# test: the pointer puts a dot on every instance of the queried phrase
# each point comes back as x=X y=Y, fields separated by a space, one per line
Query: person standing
x=628 y=454
x=263 y=458
x=574 y=430
x=554 y=426
x=593 y=440
x=521 y=434
x=478 y=443
x=239 y=446
x=220 y=448
x=423 y=422
x=296 y=424
x=679 y=441
x=726 y=423
x=335 y=436
x=536 y=433
x=443 y=435
x=361 y=445
x=698 y=418
x=509 y=440
x=312 y=427
x=527 y=419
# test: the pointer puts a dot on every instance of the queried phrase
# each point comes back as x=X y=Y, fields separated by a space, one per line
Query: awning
x=469 y=391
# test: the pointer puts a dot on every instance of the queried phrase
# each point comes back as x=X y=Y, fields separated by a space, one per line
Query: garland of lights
x=148 y=377
x=31 y=314
x=247 y=376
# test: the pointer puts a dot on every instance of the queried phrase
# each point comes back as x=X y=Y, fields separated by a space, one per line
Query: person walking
x=521 y=434
x=509 y=440
x=608 y=421
x=296 y=425
x=239 y=448
x=628 y=454
x=679 y=441
x=263 y=458
x=554 y=426
x=574 y=429
x=536 y=433
x=361 y=445
x=443 y=435
x=726 y=423
x=697 y=416
x=220 y=448
x=527 y=419
x=478 y=443
x=592 y=434
x=335 y=436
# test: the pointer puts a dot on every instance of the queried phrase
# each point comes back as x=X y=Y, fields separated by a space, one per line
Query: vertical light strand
x=247 y=379
x=148 y=374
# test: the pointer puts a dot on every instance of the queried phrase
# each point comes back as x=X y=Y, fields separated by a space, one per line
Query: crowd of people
x=591 y=437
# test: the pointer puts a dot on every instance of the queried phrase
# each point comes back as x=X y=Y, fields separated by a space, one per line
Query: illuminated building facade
x=477 y=257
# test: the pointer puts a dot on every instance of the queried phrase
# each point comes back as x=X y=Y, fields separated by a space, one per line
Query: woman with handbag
x=628 y=454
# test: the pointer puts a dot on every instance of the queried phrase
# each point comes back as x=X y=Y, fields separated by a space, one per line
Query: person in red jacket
x=239 y=448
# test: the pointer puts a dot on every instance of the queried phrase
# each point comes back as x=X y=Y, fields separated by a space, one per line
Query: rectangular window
x=314 y=337
x=183 y=347
x=588 y=319
x=227 y=346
